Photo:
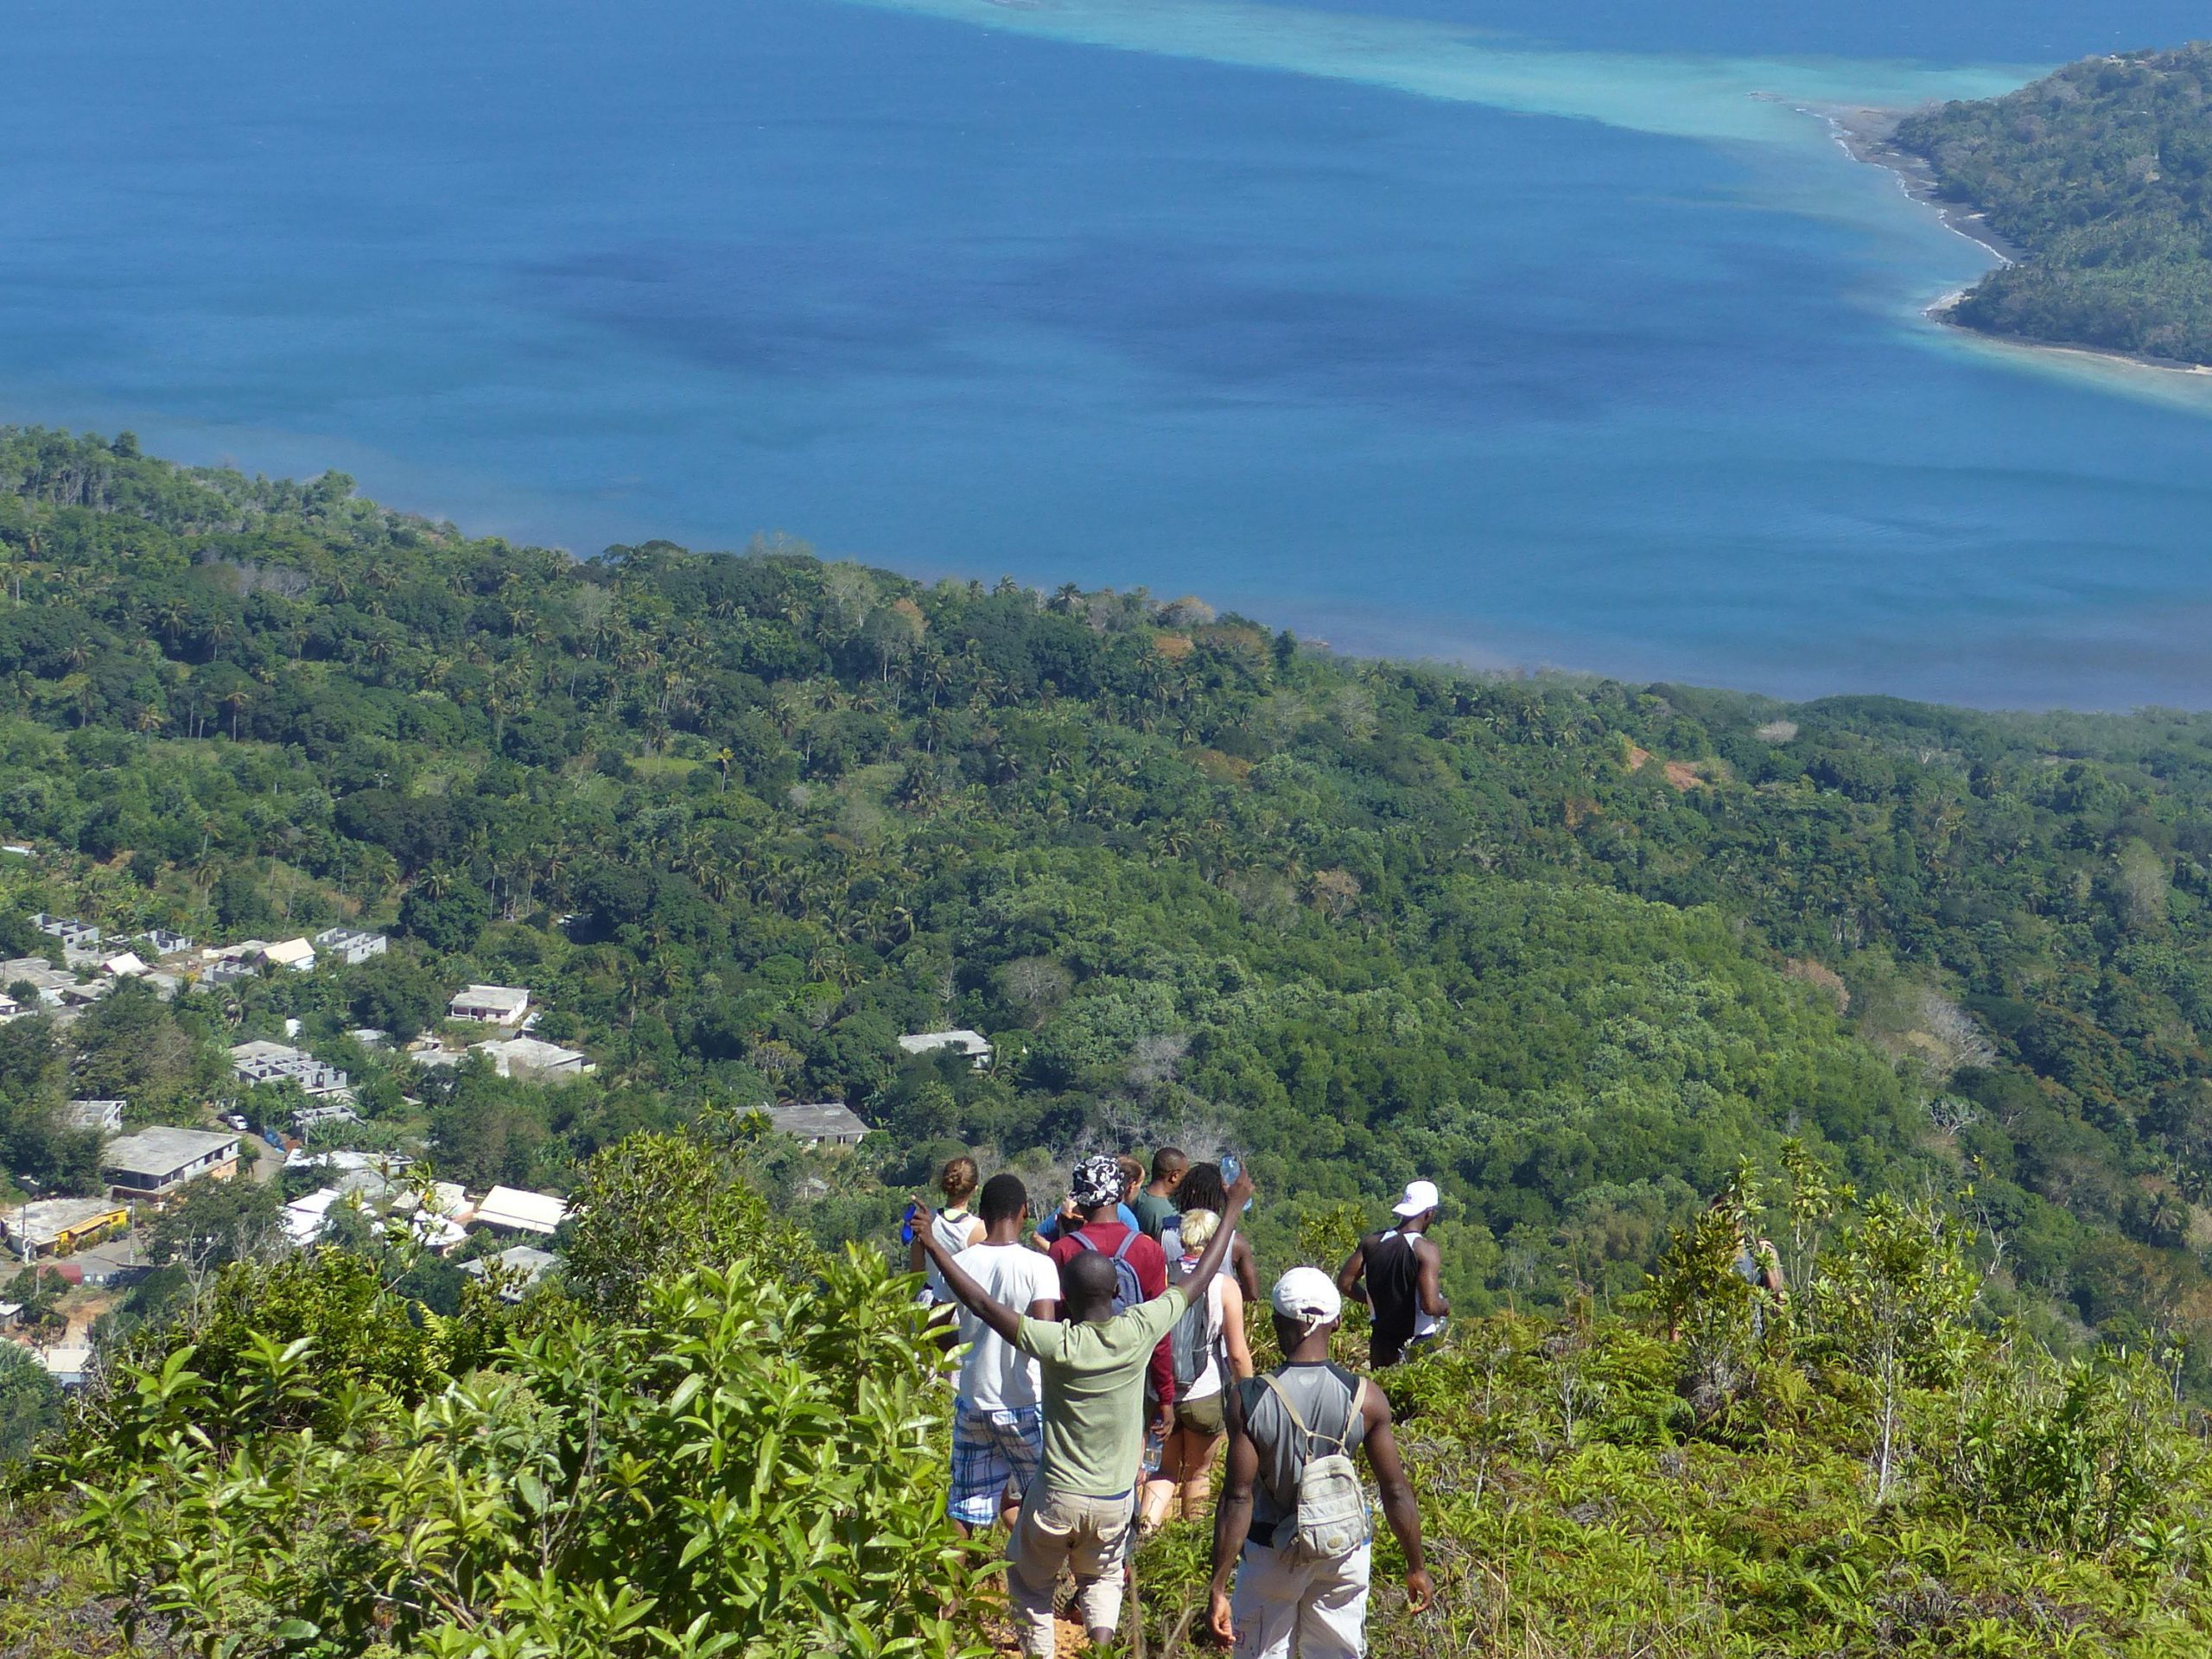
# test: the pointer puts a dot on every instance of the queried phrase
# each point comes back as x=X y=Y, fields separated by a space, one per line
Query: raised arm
x=993 y=1313
x=1232 y=1515
x=1398 y=1508
x=1232 y=1330
x=1430 y=1284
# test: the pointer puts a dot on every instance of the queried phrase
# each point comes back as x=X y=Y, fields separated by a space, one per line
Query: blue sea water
x=1576 y=352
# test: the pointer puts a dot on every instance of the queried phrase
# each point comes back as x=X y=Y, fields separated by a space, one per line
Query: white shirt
x=993 y=1377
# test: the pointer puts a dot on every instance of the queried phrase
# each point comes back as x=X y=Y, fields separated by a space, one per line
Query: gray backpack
x=1331 y=1503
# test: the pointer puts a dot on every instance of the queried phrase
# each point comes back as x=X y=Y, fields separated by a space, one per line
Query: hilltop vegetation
x=746 y=1457
x=1574 y=948
x=2100 y=175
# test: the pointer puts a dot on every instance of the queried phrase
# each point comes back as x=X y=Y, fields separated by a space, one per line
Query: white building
x=533 y=1058
x=266 y=1062
x=351 y=946
x=154 y=1163
x=104 y=1117
x=162 y=943
x=126 y=966
x=295 y=954
x=517 y=1209
x=973 y=1043
x=824 y=1123
x=73 y=934
x=492 y=1005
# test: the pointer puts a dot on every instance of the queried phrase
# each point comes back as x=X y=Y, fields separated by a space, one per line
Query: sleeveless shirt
x=1323 y=1391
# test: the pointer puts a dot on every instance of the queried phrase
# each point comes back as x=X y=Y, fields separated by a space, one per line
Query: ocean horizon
x=1510 y=336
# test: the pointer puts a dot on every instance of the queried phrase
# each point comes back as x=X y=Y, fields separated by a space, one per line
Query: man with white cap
x=1403 y=1273
x=1294 y=1528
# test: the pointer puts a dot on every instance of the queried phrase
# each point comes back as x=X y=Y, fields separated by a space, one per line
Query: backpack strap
x=1128 y=1239
x=1358 y=1400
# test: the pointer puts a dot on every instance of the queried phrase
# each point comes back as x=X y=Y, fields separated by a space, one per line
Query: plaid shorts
x=990 y=1448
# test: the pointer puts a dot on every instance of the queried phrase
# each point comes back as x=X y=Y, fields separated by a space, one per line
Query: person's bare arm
x=1349 y=1275
x=1430 y=1284
x=993 y=1313
x=1232 y=1515
x=1398 y=1508
x=1232 y=1330
x=1247 y=1266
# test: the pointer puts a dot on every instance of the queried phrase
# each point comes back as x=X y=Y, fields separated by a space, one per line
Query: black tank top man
x=1394 y=1291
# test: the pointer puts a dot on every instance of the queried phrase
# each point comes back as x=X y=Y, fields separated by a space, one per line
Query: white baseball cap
x=1307 y=1295
x=1420 y=1197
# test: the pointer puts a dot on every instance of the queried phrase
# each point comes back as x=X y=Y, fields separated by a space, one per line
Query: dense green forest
x=1571 y=948
x=1921 y=990
x=709 y=1439
x=2099 y=174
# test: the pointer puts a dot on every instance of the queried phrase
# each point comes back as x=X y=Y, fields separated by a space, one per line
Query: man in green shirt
x=1155 y=1205
x=1080 y=1508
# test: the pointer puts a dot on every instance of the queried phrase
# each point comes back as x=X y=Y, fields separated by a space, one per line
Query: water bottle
x=1231 y=1167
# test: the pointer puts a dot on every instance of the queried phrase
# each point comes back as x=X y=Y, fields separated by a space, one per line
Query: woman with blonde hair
x=1209 y=1346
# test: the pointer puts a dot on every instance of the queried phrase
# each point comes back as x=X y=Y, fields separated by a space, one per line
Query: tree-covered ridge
x=1571 y=948
x=2099 y=174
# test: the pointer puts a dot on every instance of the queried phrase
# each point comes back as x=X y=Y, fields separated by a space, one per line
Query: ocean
x=1518 y=335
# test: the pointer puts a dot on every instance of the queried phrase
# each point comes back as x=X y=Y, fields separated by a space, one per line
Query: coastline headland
x=1867 y=133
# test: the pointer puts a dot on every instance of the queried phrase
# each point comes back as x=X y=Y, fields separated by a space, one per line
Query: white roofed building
x=154 y=1163
x=825 y=1123
x=492 y=1005
x=973 y=1043
x=533 y=1058
x=516 y=1209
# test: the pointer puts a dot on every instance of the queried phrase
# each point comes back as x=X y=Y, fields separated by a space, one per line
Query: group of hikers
x=1106 y=1363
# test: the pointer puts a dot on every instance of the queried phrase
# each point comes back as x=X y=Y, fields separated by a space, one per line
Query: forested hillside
x=1573 y=948
x=2099 y=173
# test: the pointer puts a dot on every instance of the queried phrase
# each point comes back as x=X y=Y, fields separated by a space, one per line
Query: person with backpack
x=1139 y=1265
x=1399 y=1274
x=1292 y=1523
x=1207 y=1351
x=954 y=1225
x=1078 y=1512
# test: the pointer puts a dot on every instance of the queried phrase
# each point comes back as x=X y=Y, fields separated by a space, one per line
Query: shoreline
x=1864 y=132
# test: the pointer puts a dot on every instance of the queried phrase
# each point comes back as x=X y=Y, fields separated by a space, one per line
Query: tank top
x=951 y=1227
x=1323 y=1391
x=1394 y=1286
x=1207 y=1383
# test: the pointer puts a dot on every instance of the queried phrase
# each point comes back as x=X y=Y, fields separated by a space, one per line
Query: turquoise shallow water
x=1510 y=334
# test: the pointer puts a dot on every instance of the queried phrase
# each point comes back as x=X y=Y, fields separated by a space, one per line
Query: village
x=292 y=1117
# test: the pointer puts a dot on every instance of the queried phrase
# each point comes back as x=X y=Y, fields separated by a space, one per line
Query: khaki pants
x=1286 y=1603
x=1091 y=1536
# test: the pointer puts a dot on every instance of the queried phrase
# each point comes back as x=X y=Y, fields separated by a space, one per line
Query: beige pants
x=1090 y=1537
x=1287 y=1603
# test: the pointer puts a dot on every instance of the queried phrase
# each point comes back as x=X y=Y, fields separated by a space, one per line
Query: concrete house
x=60 y=1226
x=351 y=946
x=266 y=1062
x=973 y=1043
x=826 y=1123
x=73 y=934
x=105 y=1117
x=493 y=1005
x=162 y=943
x=533 y=1058
x=154 y=1163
